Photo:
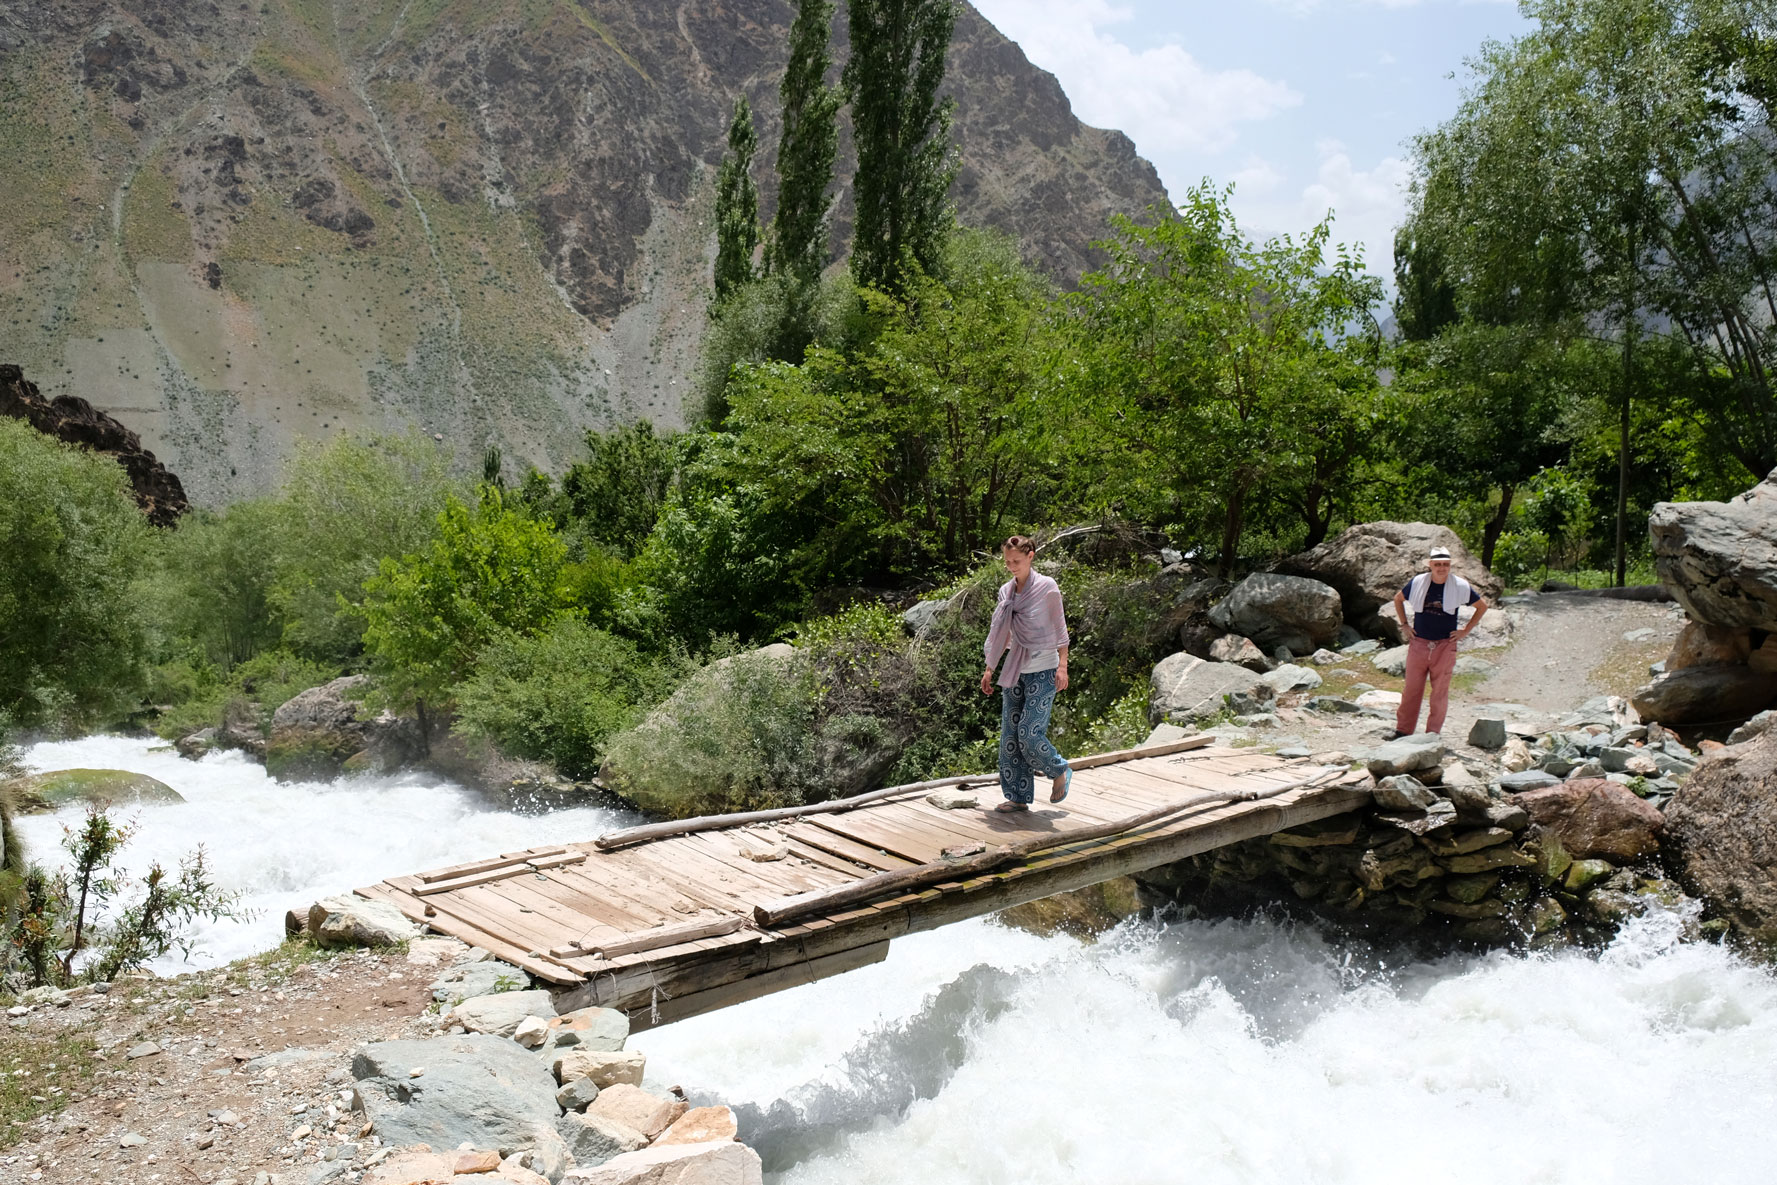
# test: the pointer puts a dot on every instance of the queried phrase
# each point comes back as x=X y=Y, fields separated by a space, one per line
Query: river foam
x=1191 y=1051
x=1251 y=1051
x=282 y=845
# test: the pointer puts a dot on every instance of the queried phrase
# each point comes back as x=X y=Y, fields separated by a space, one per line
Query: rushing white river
x=1191 y=1052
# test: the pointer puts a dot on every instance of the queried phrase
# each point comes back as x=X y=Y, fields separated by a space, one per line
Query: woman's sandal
x=1009 y=807
x=1067 y=783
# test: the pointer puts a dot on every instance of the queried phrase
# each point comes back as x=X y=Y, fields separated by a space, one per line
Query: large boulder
x=348 y=920
x=470 y=1087
x=1720 y=558
x=1186 y=689
x=1595 y=819
x=1370 y=562
x=1700 y=645
x=37 y=793
x=1405 y=755
x=502 y=1012
x=1721 y=835
x=1288 y=611
x=1714 y=694
x=319 y=733
x=721 y=1162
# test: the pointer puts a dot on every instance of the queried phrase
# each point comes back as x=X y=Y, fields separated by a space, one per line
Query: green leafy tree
x=212 y=586
x=1607 y=167
x=492 y=570
x=806 y=149
x=1211 y=370
x=915 y=451
x=74 y=642
x=737 y=205
x=560 y=695
x=342 y=508
x=902 y=130
x=615 y=495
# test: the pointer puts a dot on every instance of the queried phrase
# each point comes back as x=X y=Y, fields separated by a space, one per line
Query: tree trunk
x=1231 y=531
x=1496 y=525
x=1623 y=453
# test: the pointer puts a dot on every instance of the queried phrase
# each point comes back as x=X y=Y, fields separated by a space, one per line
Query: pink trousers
x=1436 y=660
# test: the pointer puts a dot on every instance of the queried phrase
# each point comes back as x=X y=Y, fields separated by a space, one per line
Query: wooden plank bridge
x=674 y=919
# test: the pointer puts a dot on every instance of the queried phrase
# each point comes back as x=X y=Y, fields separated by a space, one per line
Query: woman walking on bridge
x=1030 y=630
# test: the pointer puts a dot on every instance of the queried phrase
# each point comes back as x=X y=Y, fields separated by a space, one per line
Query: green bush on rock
x=738 y=735
x=559 y=696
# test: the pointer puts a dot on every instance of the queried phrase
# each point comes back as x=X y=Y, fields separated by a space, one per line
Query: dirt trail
x=1568 y=649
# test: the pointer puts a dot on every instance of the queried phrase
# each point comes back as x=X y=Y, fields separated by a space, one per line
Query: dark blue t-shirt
x=1431 y=622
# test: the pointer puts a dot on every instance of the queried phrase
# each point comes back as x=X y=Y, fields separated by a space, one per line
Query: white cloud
x=1367 y=204
x=1162 y=97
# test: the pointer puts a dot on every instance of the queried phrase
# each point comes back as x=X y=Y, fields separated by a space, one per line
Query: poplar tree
x=737 y=205
x=806 y=150
x=902 y=129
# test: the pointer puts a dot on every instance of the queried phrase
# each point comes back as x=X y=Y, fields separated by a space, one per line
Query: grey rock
x=1348 y=637
x=1586 y=769
x=1468 y=664
x=1324 y=657
x=1405 y=755
x=145 y=1049
x=601 y=1029
x=1758 y=726
x=348 y=920
x=501 y=1013
x=951 y=799
x=1714 y=694
x=593 y=1138
x=1332 y=703
x=1295 y=751
x=1359 y=649
x=1275 y=611
x=919 y=620
x=1187 y=689
x=328 y=1170
x=1644 y=634
x=481 y=978
x=1369 y=563
x=1290 y=677
x=1721 y=832
x=1392 y=661
x=577 y=1095
x=1259 y=720
x=1487 y=732
x=472 y=1087
x=1529 y=779
x=1439 y=815
x=1241 y=652
x=1615 y=760
x=1403 y=792
x=1719 y=559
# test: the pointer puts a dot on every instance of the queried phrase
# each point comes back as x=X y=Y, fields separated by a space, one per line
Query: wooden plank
x=863 y=829
x=850 y=849
x=476 y=866
x=708 y=1000
x=447 y=923
x=663 y=937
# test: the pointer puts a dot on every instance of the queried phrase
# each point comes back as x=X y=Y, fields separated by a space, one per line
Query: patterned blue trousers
x=1025 y=750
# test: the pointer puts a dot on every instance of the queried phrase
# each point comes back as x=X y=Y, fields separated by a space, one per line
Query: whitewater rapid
x=1187 y=1051
x=282 y=845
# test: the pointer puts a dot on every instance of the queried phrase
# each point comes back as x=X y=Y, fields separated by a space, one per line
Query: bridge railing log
x=787 y=909
x=653 y=831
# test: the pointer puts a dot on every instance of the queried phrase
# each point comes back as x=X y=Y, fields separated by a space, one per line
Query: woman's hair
x=1022 y=543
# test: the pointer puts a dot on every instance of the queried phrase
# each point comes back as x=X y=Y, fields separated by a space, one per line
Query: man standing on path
x=1435 y=596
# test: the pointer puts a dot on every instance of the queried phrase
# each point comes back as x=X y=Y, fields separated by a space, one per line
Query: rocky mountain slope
x=237 y=225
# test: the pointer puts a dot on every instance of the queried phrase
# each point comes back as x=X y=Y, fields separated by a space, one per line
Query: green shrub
x=198 y=696
x=74 y=641
x=561 y=695
x=211 y=589
x=491 y=571
x=343 y=507
x=738 y=735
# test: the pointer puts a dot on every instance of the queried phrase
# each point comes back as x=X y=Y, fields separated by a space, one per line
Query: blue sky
x=1304 y=105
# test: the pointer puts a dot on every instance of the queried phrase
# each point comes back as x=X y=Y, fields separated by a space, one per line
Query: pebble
x=146 y=1049
x=132 y=1140
x=301 y=1132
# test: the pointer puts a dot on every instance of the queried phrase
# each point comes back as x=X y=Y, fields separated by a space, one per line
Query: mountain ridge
x=238 y=226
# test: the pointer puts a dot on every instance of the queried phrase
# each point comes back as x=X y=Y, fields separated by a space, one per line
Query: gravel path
x=1568 y=649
